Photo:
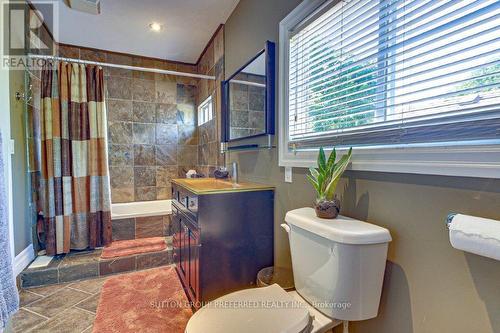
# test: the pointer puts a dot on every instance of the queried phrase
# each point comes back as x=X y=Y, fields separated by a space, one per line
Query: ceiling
x=122 y=26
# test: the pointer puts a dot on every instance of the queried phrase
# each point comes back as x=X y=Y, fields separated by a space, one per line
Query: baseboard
x=23 y=259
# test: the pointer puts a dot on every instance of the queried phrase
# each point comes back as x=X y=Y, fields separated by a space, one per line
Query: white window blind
x=395 y=72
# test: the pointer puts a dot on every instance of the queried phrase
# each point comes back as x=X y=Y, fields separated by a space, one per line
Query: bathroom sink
x=212 y=185
x=215 y=183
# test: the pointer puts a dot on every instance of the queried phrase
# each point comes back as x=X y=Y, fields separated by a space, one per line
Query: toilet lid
x=267 y=309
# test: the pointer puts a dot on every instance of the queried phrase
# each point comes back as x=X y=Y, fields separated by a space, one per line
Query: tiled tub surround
x=152 y=135
x=141 y=227
x=152 y=132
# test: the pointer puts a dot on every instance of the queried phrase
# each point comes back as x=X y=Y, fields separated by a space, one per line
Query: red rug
x=134 y=246
x=147 y=301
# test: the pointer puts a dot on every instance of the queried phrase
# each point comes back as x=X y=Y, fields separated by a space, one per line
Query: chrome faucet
x=234 y=175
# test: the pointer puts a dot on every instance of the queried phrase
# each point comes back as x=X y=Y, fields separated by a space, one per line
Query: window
x=384 y=74
x=205 y=111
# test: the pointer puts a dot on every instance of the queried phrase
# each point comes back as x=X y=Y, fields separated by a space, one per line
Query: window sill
x=464 y=161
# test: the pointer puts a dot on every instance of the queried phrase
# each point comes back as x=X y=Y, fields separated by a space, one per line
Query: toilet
x=338 y=268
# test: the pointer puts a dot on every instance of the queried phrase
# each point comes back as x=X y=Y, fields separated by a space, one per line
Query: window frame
x=206 y=118
x=460 y=159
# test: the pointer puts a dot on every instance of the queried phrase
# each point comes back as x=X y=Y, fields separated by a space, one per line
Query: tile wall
x=211 y=63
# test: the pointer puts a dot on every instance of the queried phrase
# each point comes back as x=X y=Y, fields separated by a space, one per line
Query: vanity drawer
x=185 y=201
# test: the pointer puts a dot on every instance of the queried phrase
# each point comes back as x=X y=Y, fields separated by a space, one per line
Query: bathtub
x=140 y=209
x=143 y=219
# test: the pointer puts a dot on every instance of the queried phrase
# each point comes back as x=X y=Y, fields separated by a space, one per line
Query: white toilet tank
x=338 y=265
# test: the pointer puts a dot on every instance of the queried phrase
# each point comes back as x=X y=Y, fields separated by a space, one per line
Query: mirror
x=248 y=98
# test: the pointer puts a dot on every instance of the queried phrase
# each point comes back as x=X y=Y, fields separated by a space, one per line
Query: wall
x=429 y=286
x=152 y=133
x=4 y=148
x=20 y=193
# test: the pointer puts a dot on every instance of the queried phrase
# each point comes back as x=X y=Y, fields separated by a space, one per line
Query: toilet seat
x=267 y=309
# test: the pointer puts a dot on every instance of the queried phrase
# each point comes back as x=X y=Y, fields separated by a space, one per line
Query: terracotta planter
x=327 y=209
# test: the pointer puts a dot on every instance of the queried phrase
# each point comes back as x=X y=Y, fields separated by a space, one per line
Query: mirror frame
x=269 y=51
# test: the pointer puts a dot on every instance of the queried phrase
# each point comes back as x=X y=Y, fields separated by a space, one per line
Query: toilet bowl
x=338 y=268
x=266 y=309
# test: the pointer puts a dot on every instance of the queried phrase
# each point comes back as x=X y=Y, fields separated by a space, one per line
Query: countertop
x=213 y=186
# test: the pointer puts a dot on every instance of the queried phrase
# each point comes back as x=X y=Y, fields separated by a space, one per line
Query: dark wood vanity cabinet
x=221 y=240
x=186 y=244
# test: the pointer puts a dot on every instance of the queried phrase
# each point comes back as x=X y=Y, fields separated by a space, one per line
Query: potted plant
x=324 y=179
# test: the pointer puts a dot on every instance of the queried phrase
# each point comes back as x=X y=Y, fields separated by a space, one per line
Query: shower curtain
x=74 y=184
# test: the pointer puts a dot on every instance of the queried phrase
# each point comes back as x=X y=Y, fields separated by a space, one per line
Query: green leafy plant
x=326 y=176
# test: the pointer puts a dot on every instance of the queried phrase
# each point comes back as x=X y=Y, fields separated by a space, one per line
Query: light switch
x=12 y=147
x=288 y=174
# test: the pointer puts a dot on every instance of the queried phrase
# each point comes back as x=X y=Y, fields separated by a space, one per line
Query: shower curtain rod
x=134 y=68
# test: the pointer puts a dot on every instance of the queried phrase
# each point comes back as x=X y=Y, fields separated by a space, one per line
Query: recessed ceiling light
x=155 y=26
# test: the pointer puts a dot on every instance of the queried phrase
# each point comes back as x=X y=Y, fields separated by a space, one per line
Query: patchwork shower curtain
x=74 y=184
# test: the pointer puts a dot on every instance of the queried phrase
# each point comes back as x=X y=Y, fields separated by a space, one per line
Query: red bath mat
x=134 y=246
x=146 y=301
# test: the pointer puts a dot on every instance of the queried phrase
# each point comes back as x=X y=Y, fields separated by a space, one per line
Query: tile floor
x=61 y=308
